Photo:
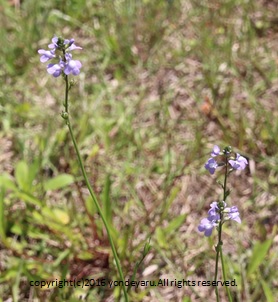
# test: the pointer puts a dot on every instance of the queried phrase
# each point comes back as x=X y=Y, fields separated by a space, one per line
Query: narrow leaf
x=61 y=216
x=175 y=224
x=7 y=182
x=107 y=209
x=2 y=216
x=267 y=292
x=58 y=182
x=22 y=175
x=160 y=237
x=259 y=253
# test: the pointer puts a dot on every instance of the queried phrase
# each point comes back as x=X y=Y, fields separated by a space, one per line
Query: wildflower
x=233 y=214
x=215 y=208
x=54 y=43
x=66 y=64
x=46 y=55
x=239 y=163
x=72 y=46
x=206 y=225
x=211 y=165
x=72 y=66
x=215 y=151
x=55 y=69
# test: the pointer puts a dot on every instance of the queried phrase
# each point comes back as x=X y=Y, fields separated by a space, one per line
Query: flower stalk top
x=216 y=209
x=219 y=212
x=65 y=65
x=237 y=163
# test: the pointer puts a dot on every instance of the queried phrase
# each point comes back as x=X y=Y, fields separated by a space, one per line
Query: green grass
x=161 y=83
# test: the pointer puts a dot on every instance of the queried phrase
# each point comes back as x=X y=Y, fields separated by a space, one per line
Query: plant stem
x=224 y=275
x=97 y=205
x=220 y=243
x=218 y=247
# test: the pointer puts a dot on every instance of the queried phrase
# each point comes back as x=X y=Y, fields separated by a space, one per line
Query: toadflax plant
x=62 y=64
x=219 y=211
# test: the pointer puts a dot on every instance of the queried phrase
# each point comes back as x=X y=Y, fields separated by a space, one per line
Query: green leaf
x=160 y=237
x=22 y=175
x=61 y=216
x=173 y=194
x=267 y=292
x=2 y=216
x=63 y=255
x=58 y=182
x=107 y=209
x=29 y=198
x=33 y=171
x=175 y=224
x=90 y=206
x=259 y=253
x=15 y=287
x=7 y=182
x=85 y=255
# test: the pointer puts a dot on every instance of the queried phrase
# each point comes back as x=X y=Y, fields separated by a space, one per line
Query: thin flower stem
x=97 y=205
x=218 y=247
x=224 y=275
x=220 y=243
x=225 y=180
x=66 y=94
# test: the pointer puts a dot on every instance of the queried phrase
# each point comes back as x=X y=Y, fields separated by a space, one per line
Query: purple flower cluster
x=65 y=64
x=238 y=163
x=207 y=224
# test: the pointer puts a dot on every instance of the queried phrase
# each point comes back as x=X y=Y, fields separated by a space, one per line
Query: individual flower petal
x=213 y=209
x=55 y=69
x=70 y=45
x=72 y=66
x=73 y=47
x=46 y=55
x=206 y=226
x=213 y=212
x=68 y=56
x=211 y=165
x=215 y=151
x=233 y=214
x=54 y=43
x=239 y=163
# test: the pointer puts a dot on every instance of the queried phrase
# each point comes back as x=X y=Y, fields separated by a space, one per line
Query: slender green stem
x=97 y=205
x=66 y=94
x=225 y=180
x=224 y=275
x=218 y=247
x=220 y=243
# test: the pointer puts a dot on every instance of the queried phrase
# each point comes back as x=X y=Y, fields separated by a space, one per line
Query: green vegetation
x=161 y=83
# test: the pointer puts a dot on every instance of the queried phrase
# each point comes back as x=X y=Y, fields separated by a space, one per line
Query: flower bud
x=65 y=115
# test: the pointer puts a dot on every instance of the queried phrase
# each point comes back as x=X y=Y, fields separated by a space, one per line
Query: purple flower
x=66 y=65
x=213 y=212
x=213 y=209
x=73 y=46
x=46 y=55
x=72 y=66
x=211 y=165
x=206 y=225
x=239 y=163
x=215 y=151
x=233 y=214
x=55 y=69
x=54 y=43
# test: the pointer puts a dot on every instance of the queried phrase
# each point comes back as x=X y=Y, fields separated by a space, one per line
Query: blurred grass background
x=161 y=83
